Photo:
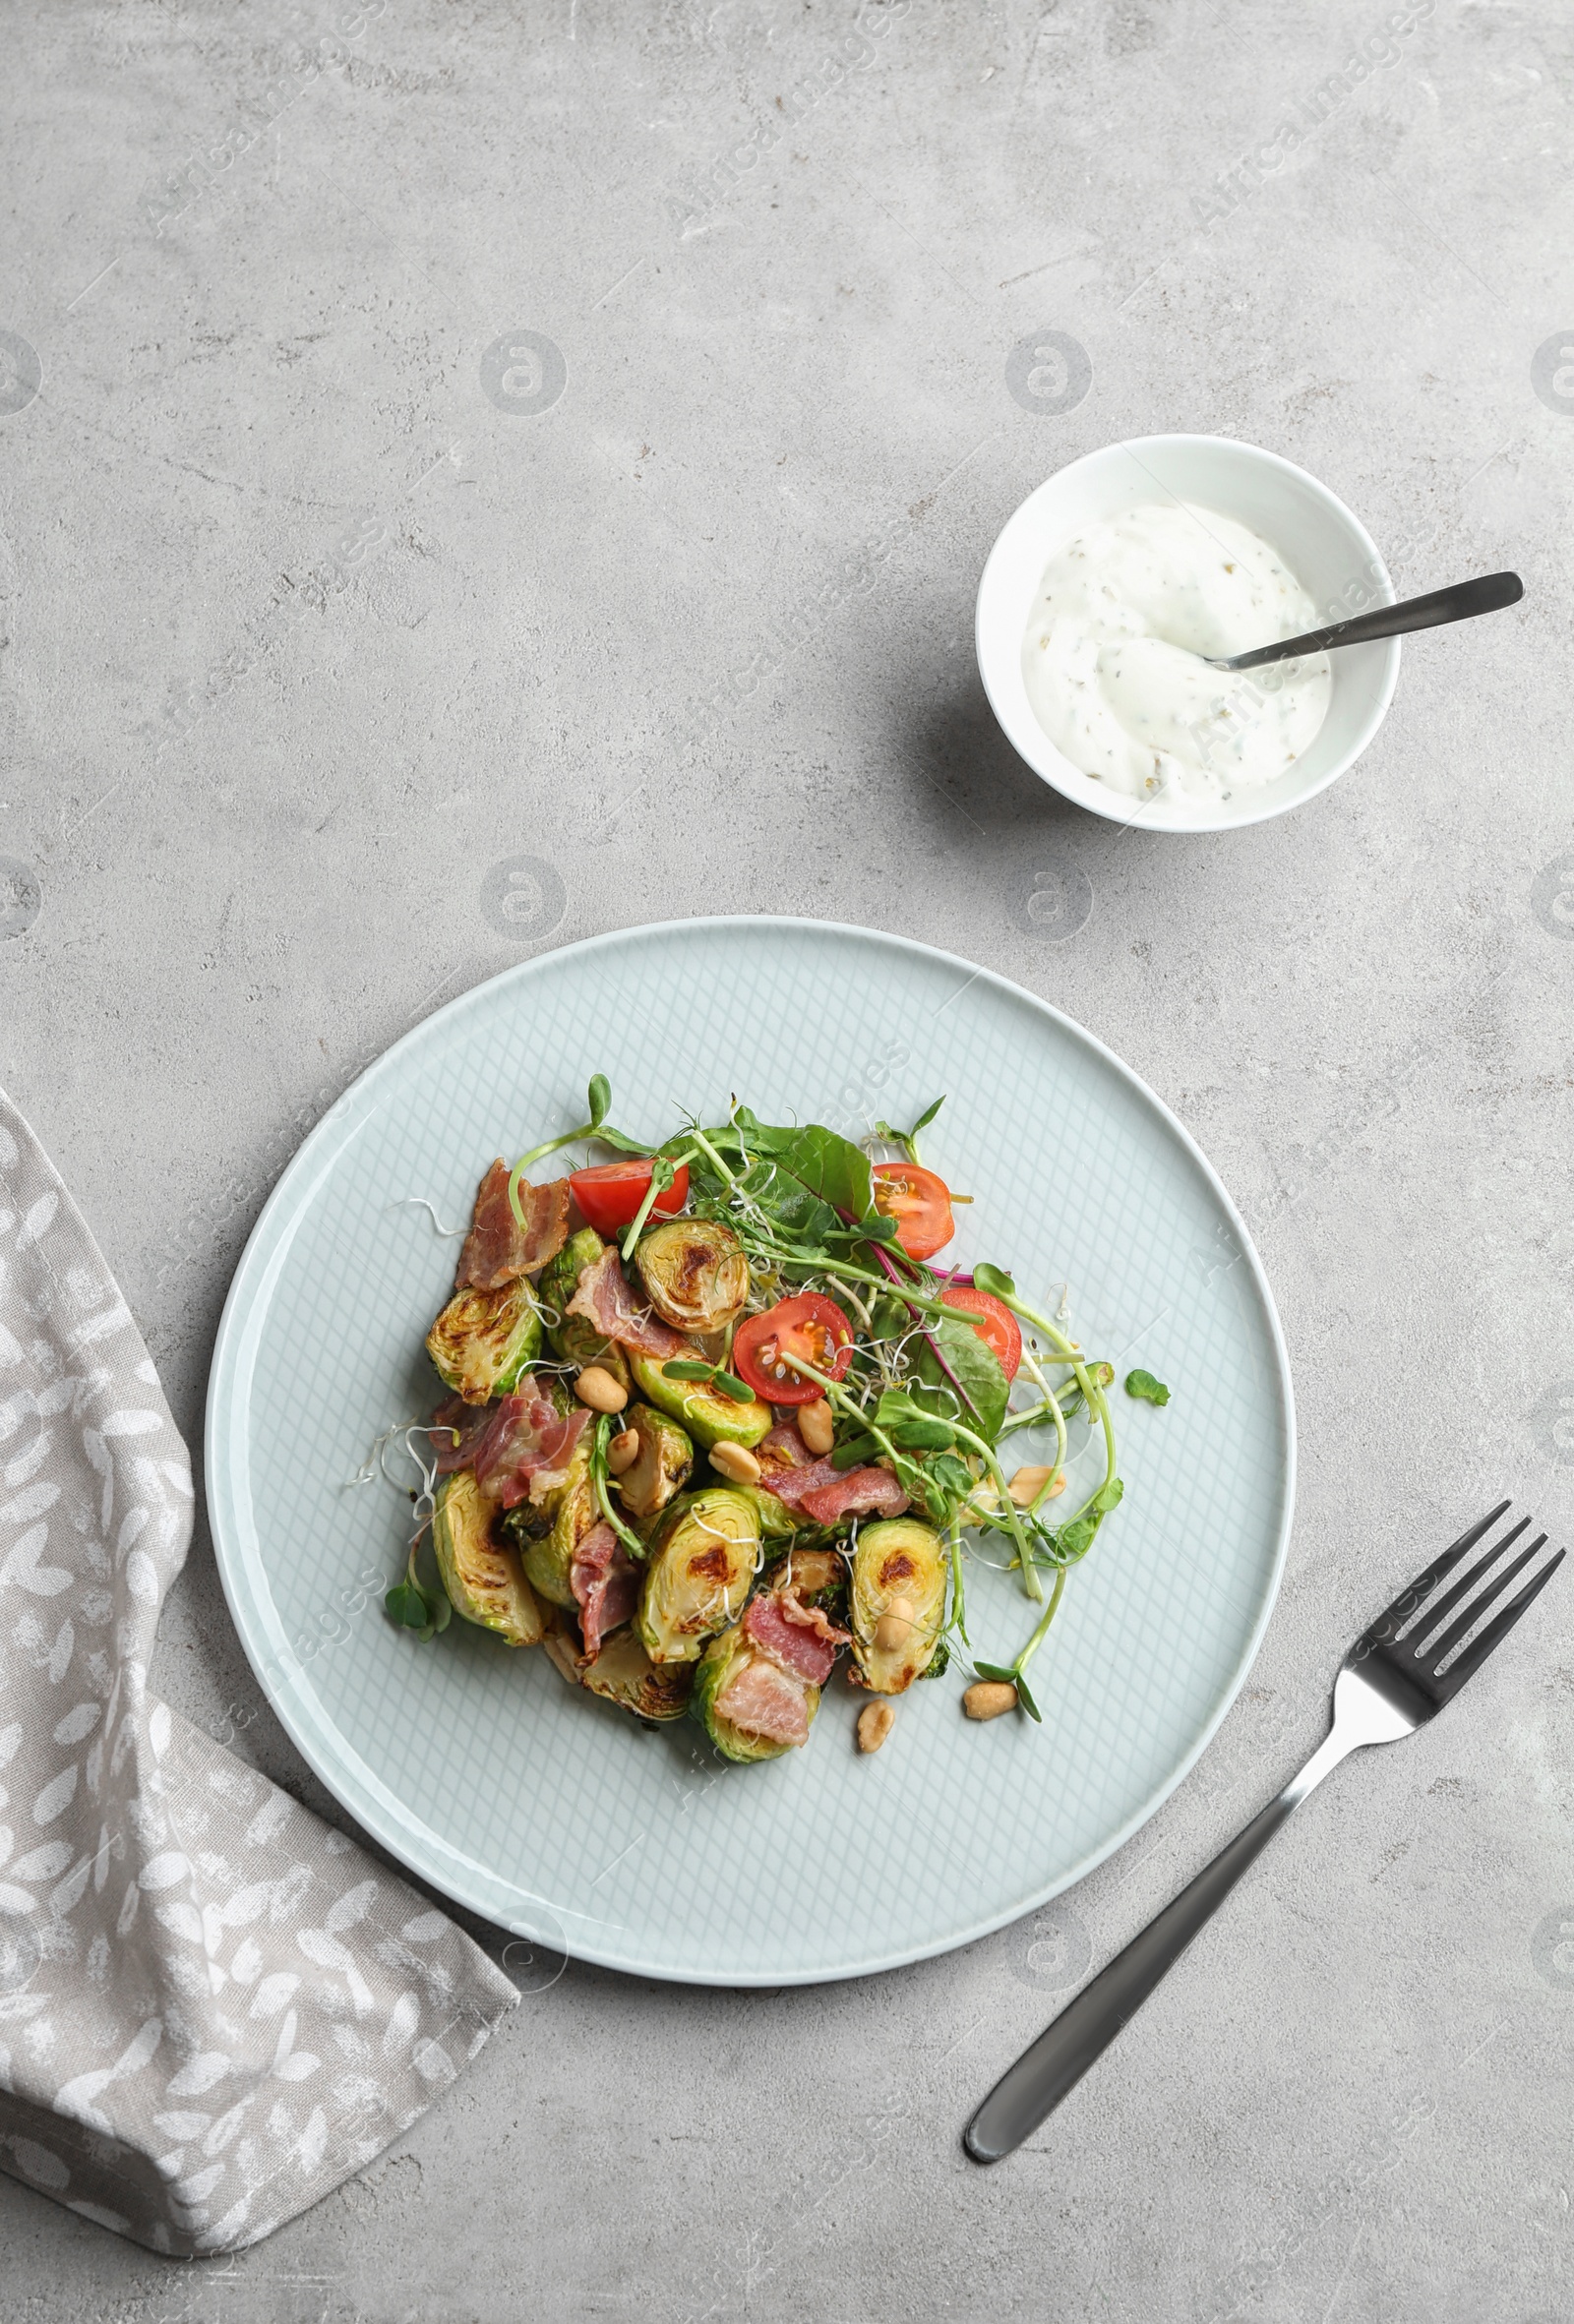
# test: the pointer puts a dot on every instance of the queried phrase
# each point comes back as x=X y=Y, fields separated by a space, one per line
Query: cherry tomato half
x=992 y=1320
x=610 y=1196
x=813 y=1329
x=919 y=1202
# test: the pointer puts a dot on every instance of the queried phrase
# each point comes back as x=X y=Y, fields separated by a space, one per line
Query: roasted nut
x=1028 y=1483
x=874 y=1722
x=989 y=1699
x=624 y=1451
x=600 y=1390
x=817 y=1425
x=736 y=1462
x=892 y=1629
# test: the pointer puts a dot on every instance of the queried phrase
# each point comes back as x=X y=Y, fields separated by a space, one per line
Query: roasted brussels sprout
x=702 y=1556
x=899 y=1602
x=549 y=1555
x=660 y=1468
x=710 y=1417
x=750 y=1709
x=483 y=1340
x=697 y=1273
x=776 y=1520
x=563 y=1649
x=481 y=1573
x=623 y=1672
x=574 y=1337
x=818 y=1578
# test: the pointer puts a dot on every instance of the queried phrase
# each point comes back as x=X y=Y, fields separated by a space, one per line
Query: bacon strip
x=518 y=1448
x=761 y=1699
x=813 y=1618
x=784 y=1447
x=605 y=1581
x=605 y=1298
x=774 y=1630
x=791 y=1484
x=498 y=1249
x=857 y=1492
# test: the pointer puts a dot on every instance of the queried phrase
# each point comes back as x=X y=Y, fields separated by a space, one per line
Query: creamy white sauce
x=1113 y=655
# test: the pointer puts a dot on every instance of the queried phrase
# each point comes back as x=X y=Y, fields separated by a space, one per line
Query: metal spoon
x=1459 y=603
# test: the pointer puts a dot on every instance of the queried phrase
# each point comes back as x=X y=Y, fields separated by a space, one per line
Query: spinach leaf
x=975 y=1364
x=831 y=1174
x=798 y=1215
x=831 y=1168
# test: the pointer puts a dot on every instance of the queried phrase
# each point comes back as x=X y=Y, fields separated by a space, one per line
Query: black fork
x=1392 y=1681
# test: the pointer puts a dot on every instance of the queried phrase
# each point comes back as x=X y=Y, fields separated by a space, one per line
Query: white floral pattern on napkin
x=214 y=2007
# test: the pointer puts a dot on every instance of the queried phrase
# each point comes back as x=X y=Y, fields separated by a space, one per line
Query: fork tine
x=1414 y=1593
x=1436 y=1649
x=1462 y=1589
x=1496 y=1630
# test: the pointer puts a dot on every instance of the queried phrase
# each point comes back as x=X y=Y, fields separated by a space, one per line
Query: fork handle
x=1084 y=2030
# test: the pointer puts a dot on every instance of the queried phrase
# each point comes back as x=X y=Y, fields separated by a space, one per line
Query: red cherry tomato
x=919 y=1202
x=610 y=1197
x=992 y=1321
x=811 y=1328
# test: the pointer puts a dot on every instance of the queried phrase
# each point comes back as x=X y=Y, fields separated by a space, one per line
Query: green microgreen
x=725 y=1382
x=599 y=1098
x=414 y=1606
x=664 y=1170
x=600 y=1437
x=1142 y=1383
x=907 y=1140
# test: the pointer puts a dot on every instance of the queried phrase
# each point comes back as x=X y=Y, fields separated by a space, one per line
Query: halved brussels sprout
x=897 y=1559
x=710 y=1417
x=563 y=1649
x=702 y=1558
x=660 y=1468
x=560 y=1276
x=483 y=1340
x=481 y=1573
x=697 y=1273
x=623 y=1672
x=776 y=1520
x=762 y=1690
x=819 y=1577
x=549 y=1555
x=574 y=1337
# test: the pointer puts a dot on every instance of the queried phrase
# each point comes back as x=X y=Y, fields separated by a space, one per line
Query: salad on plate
x=718 y=1414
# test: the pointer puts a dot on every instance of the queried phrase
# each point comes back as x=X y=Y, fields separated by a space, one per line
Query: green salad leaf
x=1144 y=1385
x=832 y=1168
x=975 y=1364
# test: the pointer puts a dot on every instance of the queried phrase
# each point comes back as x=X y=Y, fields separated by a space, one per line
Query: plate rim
x=229 y=1554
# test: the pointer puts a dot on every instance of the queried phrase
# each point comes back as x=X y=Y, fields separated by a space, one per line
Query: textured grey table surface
x=359 y=642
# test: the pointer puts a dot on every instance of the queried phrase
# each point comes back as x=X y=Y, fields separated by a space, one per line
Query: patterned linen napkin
x=214 y=2007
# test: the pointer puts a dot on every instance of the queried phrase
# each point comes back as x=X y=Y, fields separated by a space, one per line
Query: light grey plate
x=559 y=1816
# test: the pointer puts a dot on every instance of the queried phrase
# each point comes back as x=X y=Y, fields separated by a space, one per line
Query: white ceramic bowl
x=1329 y=551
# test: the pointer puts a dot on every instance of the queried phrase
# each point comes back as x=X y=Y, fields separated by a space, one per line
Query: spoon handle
x=1486 y=595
